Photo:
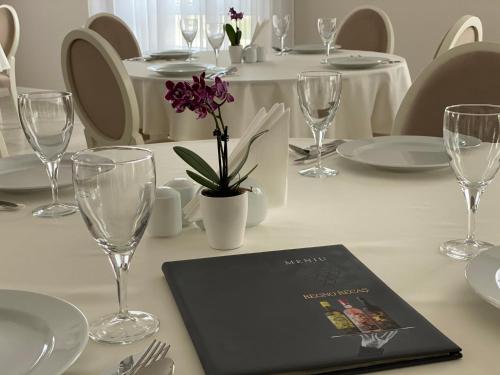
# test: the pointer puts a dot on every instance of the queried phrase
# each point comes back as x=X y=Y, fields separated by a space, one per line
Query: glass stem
x=190 y=44
x=472 y=197
x=318 y=137
x=328 y=44
x=282 y=45
x=216 y=50
x=121 y=264
x=52 y=168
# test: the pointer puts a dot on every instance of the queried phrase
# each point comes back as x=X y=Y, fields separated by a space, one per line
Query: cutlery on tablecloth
x=10 y=206
x=311 y=150
x=222 y=73
x=312 y=157
x=153 y=361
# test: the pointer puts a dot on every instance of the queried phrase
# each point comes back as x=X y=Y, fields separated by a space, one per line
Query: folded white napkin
x=262 y=34
x=270 y=152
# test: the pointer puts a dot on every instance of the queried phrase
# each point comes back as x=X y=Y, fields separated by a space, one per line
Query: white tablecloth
x=393 y=222
x=370 y=98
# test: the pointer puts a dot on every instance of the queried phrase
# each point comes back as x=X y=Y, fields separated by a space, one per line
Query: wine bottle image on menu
x=339 y=320
x=361 y=320
x=379 y=316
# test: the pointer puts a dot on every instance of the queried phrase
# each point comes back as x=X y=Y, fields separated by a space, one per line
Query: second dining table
x=369 y=103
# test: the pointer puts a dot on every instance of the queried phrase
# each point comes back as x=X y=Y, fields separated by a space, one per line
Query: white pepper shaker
x=166 y=217
x=187 y=189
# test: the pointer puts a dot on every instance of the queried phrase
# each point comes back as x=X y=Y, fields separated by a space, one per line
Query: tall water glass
x=471 y=134
x=47 y=121
x=327 y=28
x=280 y=27
x=215 y=35
x=319 y=98
x=189 y=29
x=115 y=191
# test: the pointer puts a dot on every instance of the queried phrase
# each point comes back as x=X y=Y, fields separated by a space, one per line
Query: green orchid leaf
x=238 y=183
x=197 y=163
x=202 y=181
x=232 y=35
x=240 y=165
x=238 y=37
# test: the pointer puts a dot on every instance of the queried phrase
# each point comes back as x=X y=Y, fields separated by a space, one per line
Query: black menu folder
x=305 y=311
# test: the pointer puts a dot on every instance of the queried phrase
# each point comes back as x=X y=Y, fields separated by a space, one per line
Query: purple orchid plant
x=204 y=99
x=234 y=35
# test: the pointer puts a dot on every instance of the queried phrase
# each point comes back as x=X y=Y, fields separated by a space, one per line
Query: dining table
x=392 y=221
x=369 y=103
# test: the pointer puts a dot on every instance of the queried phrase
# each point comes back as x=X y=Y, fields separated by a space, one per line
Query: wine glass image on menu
x=115 y=190
x=47 y=122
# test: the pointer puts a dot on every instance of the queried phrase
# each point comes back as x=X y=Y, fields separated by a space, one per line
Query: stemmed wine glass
x=471 y=135
x=215 y=35
x=280 y=27
x=189 y=29
x=115 y=191
x=47 y=122
x=319 y=98
x=327 y=28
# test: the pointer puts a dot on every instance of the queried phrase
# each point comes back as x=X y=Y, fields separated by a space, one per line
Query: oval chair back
x=463 y=75
x=117 y=33
x=104 y=97
x=366 y=29
x=467 y=29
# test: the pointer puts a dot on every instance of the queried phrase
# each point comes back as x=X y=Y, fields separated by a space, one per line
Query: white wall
x=44 y=23
x=419 y=25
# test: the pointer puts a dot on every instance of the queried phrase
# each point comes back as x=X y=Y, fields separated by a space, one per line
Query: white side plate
x=40 y=335
x=24 y=173
x=356 y=62
x=483 y=275
x=171 y=55
x=404 y=153
x=178 y=69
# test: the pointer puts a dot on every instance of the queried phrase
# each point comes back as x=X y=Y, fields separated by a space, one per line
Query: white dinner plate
x=178 y=69
x=174 y=54
x=483 y=275
x=404 y=153
x=311 y=49
x=356 y=62
x=25 y=173
x=40 y=335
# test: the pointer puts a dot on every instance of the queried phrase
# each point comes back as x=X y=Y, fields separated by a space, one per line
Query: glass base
x=463 y=249
x=318 y=172
x=116 y=329
x=55 y=210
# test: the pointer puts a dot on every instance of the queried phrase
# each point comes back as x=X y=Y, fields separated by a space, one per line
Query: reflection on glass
x=472 y=139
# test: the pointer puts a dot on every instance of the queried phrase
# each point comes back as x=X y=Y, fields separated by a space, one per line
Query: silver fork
x=156 y=351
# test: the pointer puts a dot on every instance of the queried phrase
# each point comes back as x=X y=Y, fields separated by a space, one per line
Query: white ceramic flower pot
x=235 y=54
x=224 y=219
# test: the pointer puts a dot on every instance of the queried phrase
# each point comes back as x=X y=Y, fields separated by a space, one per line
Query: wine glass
x=189 y=29
x=319 y=98
x=215 y=35
x=280 y=27
x=47 y=122
x=115 y=191
x=327 y=28
x=471 y=135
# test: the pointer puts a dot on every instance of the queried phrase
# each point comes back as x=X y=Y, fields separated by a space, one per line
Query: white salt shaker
x=261 y=54
x=187 y=189
x=166 y=217
x=250 y=54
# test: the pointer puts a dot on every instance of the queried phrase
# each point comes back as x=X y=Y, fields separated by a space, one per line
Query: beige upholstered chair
x=102 y=90
x=117 y=33
x=467 y=29
x=9 y=39
x=467 y=74
x=366 y=29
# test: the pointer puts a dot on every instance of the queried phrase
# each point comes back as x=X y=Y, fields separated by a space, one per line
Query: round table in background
x=370 y=97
